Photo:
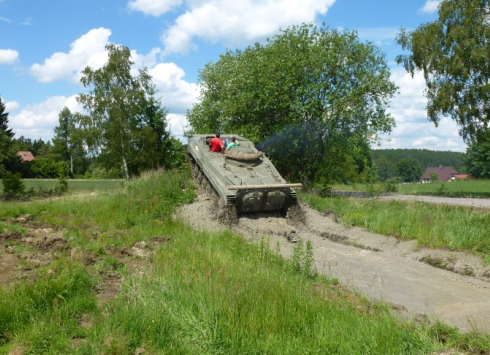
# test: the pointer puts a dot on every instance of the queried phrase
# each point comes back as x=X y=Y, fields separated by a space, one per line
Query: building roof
x=443 y=172
x=26 y=156
x=461 y=176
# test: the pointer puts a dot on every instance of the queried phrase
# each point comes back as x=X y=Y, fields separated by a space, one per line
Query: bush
x=12 y=184
x=45 y=168
x=63 y=187
x=391 y=185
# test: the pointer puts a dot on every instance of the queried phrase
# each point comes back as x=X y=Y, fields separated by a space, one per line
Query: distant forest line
x=425 y=157
x=391 y=163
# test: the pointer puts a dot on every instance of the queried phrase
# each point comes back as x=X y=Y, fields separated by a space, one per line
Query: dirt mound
x=450 y=286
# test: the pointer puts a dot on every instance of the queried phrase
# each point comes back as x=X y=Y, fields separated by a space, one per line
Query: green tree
x=386 y=168
x=68 y=143
x=305 y=95
x=434 y=177
x=61 y=140
x=118 y=105
x=154 y=135
x=408 y=169
x=452 y=52
x=478 y=156
x=7 y=154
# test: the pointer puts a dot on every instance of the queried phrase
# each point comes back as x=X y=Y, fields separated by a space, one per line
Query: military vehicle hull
x=242 y=177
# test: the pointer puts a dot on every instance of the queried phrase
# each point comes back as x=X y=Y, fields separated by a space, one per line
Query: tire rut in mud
x=382 y=267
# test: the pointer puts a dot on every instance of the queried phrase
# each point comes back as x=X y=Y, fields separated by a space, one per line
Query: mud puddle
x=453 y=287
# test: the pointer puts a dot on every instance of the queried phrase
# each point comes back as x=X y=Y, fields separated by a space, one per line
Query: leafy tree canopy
x=125 y=123
x=306 y=94
x=409 y=169
x=478 y=156
x=452 y=52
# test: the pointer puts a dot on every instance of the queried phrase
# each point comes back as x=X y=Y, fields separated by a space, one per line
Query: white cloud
x=11 y=106
x=177 y=94
x=177 y=123
x=430 y=6
x=149 y=60
x=153 y=7
x=8 y=56
x=39 y=121
x=238 y=22
x=5 y=19
x=413 y=128
x=88 y=50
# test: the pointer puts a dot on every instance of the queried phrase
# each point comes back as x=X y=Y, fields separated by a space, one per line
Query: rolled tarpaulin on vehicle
x=238 y=154
x=261 y=187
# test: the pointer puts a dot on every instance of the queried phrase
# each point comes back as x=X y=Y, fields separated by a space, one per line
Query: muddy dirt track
x=377 y=266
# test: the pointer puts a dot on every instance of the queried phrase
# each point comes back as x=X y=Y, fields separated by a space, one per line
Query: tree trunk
x=125 y=168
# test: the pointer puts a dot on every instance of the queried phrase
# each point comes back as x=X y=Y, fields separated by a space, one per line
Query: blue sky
x=44 y=45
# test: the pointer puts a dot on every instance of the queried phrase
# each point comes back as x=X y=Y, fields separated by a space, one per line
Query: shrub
x=63 y=187
x=12 y=184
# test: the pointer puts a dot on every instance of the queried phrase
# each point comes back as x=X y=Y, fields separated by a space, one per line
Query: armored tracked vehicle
x=243 y=176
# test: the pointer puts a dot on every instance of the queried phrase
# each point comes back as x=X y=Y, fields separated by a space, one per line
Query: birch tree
x=116 y=105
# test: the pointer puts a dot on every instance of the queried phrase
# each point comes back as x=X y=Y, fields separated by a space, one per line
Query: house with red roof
x=444 y=173
x=25 y=156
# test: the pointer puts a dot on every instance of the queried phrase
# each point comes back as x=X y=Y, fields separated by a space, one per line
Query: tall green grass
x=217 y=294
x=44 y=314
x=439 y=226
x=73 y=185
x=464 y=188
x=200 y=293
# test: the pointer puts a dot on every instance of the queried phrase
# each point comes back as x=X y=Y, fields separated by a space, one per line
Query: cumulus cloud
x=237 y=22
x=177 y=123
x=430 y=6
x=11 y=106
x=8 y=56
x=413 y=128
x=153 y=7
x=38 y=121
x=177 y=94
x=144 y=60
x=88 y=50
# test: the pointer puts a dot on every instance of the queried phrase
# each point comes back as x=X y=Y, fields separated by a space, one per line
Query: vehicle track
x=380 y=267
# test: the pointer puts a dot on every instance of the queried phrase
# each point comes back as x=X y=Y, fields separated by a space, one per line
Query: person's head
x=233 y=139
x=218 y=135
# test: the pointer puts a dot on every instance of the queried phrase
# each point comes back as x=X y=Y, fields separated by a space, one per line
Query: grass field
x=197 y=293
x=73 y=185
x=438 y=226
x=469 y=188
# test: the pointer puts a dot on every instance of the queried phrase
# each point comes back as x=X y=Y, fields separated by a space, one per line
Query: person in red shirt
x=216 y=144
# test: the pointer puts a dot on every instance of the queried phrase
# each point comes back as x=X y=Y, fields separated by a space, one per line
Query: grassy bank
x=439 y=226
x=192 y=293
x=74 y=185
x=467 y=188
